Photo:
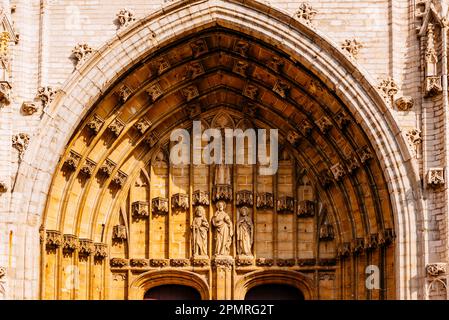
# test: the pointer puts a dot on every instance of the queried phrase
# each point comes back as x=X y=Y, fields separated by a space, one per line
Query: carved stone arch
x=349 y=83
x=296 y=279
x=156 y=278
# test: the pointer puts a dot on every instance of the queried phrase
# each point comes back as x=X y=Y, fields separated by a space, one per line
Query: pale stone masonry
x=64 y=61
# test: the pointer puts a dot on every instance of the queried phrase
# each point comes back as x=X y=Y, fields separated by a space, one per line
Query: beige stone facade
x=91 y=207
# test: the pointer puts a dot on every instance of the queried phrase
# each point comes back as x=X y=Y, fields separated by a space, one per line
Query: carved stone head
x=221 y=205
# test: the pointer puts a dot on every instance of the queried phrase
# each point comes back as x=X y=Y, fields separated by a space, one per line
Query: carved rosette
x=159 y=206
x=285 y=262
x=222 y=192
x=108 y=167
x=264 y=262
x=29 y=108
x=285 y=204
x=100 y=251
x=199 y=47
x=20 y=142
x=180 y=201
x=223 y=262
x=306 y=208
x=435 y=177
x=118 y=262
x=5 y=92
x=179 y=262
x=139 y=263
x=305 y=13
x=264 y=200
x=159 y=263
x=404 y=103
x=88 y=167
x=125 y=17
x=120 y=178
x=143 y=125
x=436 y=269
x=81 y=52
x=86 y=247
x=116 y=127
x=200 y=198
x=119 y=233
x=244 y=198
x=70 y=243
x=53 y=239
x=140 y=209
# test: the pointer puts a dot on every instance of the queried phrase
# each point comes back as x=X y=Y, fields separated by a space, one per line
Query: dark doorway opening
x=274 y=292
x=172 y=292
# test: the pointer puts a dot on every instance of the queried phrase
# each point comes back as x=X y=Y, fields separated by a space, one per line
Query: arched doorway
x=274 y=292
x=172 y=292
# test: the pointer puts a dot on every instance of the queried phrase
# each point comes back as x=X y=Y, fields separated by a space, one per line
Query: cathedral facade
x=353 y=202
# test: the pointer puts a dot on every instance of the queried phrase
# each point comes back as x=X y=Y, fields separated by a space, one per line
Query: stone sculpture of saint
x=245 y=233
x=199 y=227
x=223 y=230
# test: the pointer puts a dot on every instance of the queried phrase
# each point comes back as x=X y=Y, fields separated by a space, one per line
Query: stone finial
x=352 y=46
x=435 y=177
x=125 y=17
x=20 y=142
x=81 y=52
x=305 y=13
x=404 y=103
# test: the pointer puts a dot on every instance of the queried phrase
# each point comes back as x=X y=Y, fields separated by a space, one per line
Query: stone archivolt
x=142 y=207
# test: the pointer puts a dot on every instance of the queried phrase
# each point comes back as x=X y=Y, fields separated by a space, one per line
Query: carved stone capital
x=404 y=103
x=200 y=261
x=139 y=263
x=140 y=209
x=324 y=124
x=264 y=200
x=159 y=263
x=53 y=239
x=338 y=171
x=116 y=127
x=154 y=91
x=244 y=198
x=226 y=262
x=285 y=262
x=432 y=85
x=282 y=88
x=244 y=261
x=86 y=247
x=119 y=233
x=29 y=108
x=436 y=269
x=306 y=208
x=73 y=160
x=143 y=125
x=250 y=91
x=88 y=167
x=70 y=243
x=45 y=95
x=95 y=124
x=179 y=262
x=124 y=93
x=159 y=206
x=120 y=178
x=285 y=204
x=199 y=47
x=200 y=198
x=100 y=251
x=190 y=92
x=107 y=167
x=180 y=201
x=118 y=262
x=222 y=192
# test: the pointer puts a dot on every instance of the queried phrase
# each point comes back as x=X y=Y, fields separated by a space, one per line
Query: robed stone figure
x=223 y=230
x=245 y=232
x=199 y=227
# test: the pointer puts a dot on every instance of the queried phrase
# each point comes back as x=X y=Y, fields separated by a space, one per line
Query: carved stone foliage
x=179 y=262
x=159 y=263
x=45 y=95
x=338 y=171
x=264 y=262
x=435 y=177
x=118 y=262
x=140 y=209
x=244 y=198
x=119 y=233
x=180 y=201
x=125 y=17
x=244 y=261
x=143 y=125
x=414 y=139
x=306 y=208
x=81 y=52
x=404 y=103
x=100 y=251
x=264 y=200
x=95 y=123
x=107 y=167
x=305 y=13
x=29 y=108
x=200 y=262
x=5 y=92
x=20 y=142
x=388 y=89
x=159 y=205
x=139 y=263
x=86 y=247
x=285 y=204
x=70 y=243
x=199 y=47
x=162 y=65
x=372 y=242
x=116 y=127
x=119 y=178
x=222 y=192
x=154 y=91
x=88 y=167
x=282 y=88
x=53 y=239
x=352 y=46
x=200 y=198
x=285 y=262
x=225 y=262
x=436 y=269
x=73 y=160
